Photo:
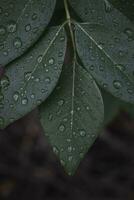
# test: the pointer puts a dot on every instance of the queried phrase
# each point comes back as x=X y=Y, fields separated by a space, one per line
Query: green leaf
x=72 y=116
x=21 y=24
x=101 y=12
x=30 y=80
x=108 y=56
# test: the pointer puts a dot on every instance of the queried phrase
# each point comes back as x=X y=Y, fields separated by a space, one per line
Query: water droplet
x=82 y=133
x=50 y=117
x=61 y=102
x=61 y=128
x=5 y=82
x=128 y=32
x=11 y=27
x=28 y=27
x=91 y=67
x=48 y=80
x=24 y=101
x=27 y=75
x=16 y=96
x=17 y=43
x=70 y=158
x=39 y=59
x=117 y=84
x=69 y=149
x=34 y=16
x=32 y=96
x=55 y=150
x=51 y=61
x=130 y=91
x=120 y=67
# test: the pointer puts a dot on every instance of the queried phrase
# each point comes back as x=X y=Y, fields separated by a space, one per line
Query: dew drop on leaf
x=16 y=96
x=61 y=128
x=4 y=82
x=117 y=84
x=12 y=27
x=17 y=43
x=24 y=101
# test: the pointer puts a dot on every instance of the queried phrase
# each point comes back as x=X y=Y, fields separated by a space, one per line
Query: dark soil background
x=30 y=171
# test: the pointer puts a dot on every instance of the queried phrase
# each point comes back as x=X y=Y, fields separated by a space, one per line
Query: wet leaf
x=108 y=56
x=72 y=116
x=31 y=79
x=21 y=24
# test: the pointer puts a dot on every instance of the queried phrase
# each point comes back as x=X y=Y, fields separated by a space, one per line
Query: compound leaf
x=30 y=80
x=72 y=116
x=21 y=24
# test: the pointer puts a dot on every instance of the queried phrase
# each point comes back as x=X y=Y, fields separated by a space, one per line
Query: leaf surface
x=108 y=56
x=72 y=116
x=21 y=24
x=31 y=79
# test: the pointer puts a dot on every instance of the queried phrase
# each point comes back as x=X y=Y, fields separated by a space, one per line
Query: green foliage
x=96 y=41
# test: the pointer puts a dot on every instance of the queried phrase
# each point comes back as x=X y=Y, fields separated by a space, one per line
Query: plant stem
x=70 y=26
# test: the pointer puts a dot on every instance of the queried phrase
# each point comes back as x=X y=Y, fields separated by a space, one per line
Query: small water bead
x=69 y=149
x=120 y=67
x=27 y=75
x=2 y=30
x=70 y=158
x=39 y=59
x=2 y=122
x=34 y=16
x=117 y=84
x=55 y=150
x=61 y=102
x=12 y=27
x=16 y=96
x=61 y=128
x=129 y=32
x=82 y=133
x=91 y=67
x=24 y=101
x=62 y=38
x=17 y=43
x=32 y=96
x=37 y=80
x=51 y=61
x=28 y=27
x=50 y=117
x=5 y=53
x=101 y=68
x=4 y=82
x=48 y=80
x=130 y=91
x=62 y=162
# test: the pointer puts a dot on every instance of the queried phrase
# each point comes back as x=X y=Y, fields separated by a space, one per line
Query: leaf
x=108 y=56
x=72 y=116
x=30 y=80
x=21 y=24
x=101 y=12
